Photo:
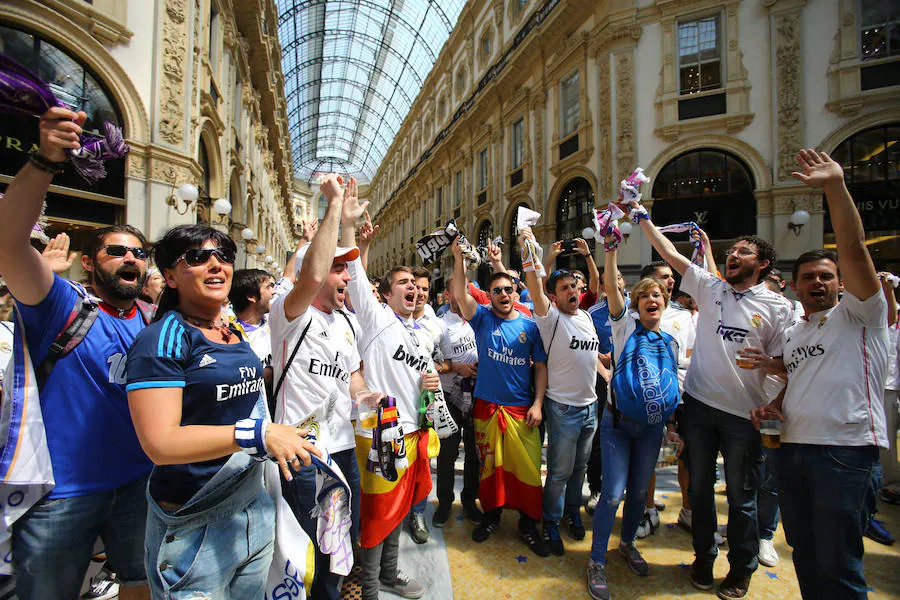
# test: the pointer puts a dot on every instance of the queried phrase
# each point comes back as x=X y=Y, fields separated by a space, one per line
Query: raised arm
x=709 y=259
x=495 y=256
x=367 y=233
x=555 y=251
x=593 y=271
x=888 y=288
x=467 y=304
x=352 y=211
x=309 y=232
x=534 y=283
x=28 y=277
x=857 y=270
x=319 y=256
x=610 y=275
x=664 y=246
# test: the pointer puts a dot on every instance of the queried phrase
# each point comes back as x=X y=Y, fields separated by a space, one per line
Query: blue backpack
x=645 y=379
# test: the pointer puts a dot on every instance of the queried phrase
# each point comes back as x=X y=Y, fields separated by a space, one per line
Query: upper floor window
x=518 y=143
x=699 y=55
x=460 y=82
x=482 y=169
x=879 y=34
x=457 y=188
x=485 y=47
x=442 y=108
x=570 y=110
x=439 y=202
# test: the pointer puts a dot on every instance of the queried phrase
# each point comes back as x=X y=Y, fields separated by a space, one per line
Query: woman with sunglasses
x=644 y=393
x=196 y=394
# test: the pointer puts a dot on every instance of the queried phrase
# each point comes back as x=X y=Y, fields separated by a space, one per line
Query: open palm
x=57 y=256
x=353 y=209
x=818 y=169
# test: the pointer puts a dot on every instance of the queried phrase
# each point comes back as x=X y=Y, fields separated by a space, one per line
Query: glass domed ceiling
x=352 y=70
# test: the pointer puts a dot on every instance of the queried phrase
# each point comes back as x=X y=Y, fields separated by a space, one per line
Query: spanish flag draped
x=384 y=504
x=510 y=453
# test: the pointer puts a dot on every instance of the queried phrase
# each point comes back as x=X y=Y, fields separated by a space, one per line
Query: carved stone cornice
x=172 y=93
x=107 y=29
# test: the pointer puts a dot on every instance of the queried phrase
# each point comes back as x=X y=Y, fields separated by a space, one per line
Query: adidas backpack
x=644 y=384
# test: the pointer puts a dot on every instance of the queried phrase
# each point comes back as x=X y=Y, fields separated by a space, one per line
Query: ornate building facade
x=550 y=103
x=195 y=85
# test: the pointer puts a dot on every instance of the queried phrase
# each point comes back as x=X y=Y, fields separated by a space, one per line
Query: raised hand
x=367 y=231
x=456 y=249
x=59 y=131
x=555 y=249
x=494 y=253
x=353 y=209
x=331 y=187
x=582 y=248
x=309 y=232
x=819 y=169
x=57 y=256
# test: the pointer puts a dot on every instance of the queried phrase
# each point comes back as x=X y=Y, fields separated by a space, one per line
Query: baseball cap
x=339 y=252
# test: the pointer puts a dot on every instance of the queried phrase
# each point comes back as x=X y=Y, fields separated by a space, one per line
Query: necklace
x=220 y=325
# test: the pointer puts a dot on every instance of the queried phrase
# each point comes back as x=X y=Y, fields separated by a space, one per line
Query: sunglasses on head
x=118 y=251
x=506 y=289
x=200 y=256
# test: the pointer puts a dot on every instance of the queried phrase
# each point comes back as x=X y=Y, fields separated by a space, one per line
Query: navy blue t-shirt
x=221 y=382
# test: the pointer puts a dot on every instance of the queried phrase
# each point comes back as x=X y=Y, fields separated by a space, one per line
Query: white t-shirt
x=836 y=363
x=395 y=353
x=458 y=345
x=435 y=327
x=318 y=380
x=260 y=339
x=892 y=381
x=572 y=347
x=679 y=323
x=726 y=319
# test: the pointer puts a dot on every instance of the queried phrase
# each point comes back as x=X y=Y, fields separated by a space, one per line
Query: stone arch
x=52 y=25
x=761 y=171
x=236 y=197
x=854 y=126
x=560 y=184
x=210 y=140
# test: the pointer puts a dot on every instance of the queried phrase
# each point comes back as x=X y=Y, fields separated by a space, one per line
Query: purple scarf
x=22 y=92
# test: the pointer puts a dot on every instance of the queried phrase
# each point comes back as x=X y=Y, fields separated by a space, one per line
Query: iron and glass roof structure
x=352 y=71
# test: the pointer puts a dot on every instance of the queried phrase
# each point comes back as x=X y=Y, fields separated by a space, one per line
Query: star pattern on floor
x=522 y=559
x=771 y=574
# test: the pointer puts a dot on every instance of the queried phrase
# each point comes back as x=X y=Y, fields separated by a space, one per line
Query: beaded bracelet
x=42 y=163
x=250 y=435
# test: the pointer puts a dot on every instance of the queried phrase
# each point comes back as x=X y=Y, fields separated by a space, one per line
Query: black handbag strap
x=290 y=360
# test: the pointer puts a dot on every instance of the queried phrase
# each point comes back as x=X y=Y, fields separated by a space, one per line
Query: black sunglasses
x=506 y=289
x=200 y=256
x=118 y=251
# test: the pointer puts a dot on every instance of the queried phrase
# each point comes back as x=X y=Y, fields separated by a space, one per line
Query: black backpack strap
x=290 y=360
x=83 y=316
x=553 y=336
x=349 y=322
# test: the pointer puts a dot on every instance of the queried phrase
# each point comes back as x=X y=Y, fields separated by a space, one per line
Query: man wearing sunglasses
x=573 y=349
x=99 y=467
x=718 y=397
x=508 y=345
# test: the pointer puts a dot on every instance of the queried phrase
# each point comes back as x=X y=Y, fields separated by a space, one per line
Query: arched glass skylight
x=352 y=70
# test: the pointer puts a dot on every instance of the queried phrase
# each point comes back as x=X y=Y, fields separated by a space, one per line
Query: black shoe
x=574 y=525
x=471 y=512
x=484 y=530
x=441 y=514
x=734 y=587
x=702 y=574
x=552 y=539
x=529 y=532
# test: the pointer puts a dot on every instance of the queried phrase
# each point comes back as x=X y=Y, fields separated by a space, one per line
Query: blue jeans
x=300 y=495
x=767 y=499
x=824 y=493
x=222 y=548
x=53 y=542
x=706 y=432
x=570 y=433
x=629 y=456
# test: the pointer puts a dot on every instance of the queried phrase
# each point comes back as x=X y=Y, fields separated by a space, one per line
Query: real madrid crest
x=523 y=337
x=349 y=338
x=677 y=326
x=756 y=321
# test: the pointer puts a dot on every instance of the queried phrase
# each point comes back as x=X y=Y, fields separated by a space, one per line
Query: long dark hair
x=170 y=248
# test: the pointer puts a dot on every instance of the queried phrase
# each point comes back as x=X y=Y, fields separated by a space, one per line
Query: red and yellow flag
x=384 y=504
x=510 y=454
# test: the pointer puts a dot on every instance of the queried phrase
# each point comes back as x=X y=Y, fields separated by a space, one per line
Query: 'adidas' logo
x=206 y=360
x=323 y=333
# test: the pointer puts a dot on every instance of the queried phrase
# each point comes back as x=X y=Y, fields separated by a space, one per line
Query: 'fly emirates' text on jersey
x=572 y=345
x=395 y=355
x=318 y=380
x=728 y=321
x=506 y=349
x=836 y=363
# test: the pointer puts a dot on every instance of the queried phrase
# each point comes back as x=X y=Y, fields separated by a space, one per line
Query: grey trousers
x=380 y=562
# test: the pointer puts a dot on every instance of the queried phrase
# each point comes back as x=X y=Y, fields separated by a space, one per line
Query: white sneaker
x=684 y=518
x=647 y=526
x=103 y=587
x=654 y=517
x=767 y=554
